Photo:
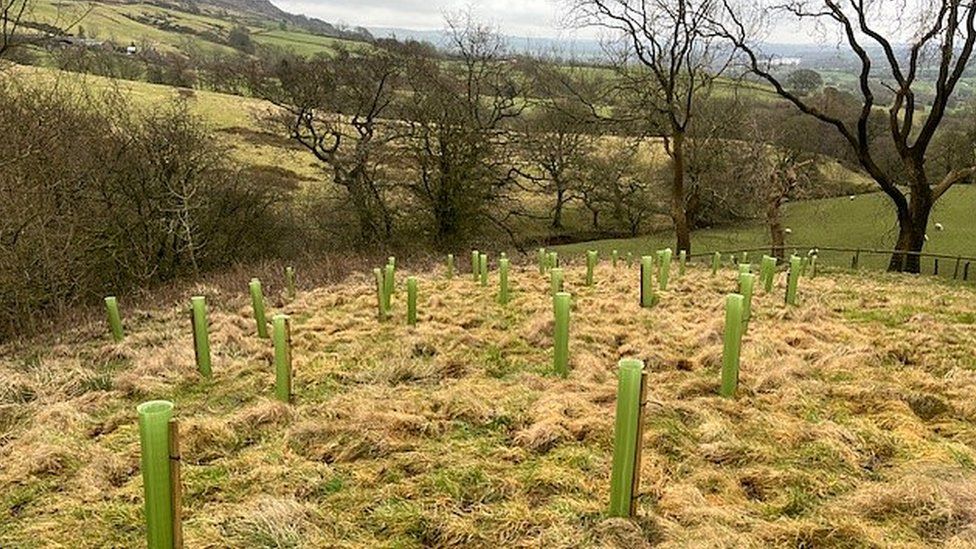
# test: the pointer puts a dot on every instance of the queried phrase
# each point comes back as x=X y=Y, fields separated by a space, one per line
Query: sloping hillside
x=855 y=425
x=174 y=26
x=867 y=221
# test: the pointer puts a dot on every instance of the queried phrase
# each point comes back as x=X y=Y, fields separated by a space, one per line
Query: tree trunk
x=912 y=225
x=678 y=212
x=557 y=214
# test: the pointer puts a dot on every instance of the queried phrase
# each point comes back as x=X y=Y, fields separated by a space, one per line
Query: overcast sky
x=534 y=18
x=531 y=18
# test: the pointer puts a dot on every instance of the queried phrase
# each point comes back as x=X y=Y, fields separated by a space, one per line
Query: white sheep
x=788 y=231
x=939 y=227
x=852 y=198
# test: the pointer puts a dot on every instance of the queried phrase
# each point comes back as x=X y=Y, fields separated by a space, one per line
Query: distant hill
x=268 y=12
x=183 y=26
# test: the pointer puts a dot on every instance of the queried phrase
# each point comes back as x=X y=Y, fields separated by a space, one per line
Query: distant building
x=785 y=61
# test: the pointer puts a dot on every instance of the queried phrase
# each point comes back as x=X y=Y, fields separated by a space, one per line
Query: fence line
x=855 y=260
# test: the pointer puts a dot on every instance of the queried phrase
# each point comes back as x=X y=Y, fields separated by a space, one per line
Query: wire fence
x=957 y=267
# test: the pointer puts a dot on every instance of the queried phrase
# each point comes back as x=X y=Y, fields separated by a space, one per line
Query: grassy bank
x=868 y=221
x=854 y=425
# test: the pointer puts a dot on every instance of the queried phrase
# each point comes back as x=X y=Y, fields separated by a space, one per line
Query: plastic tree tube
x=380 y=293
x=281 y=327
x=503 y=280
x=747 y=285
x=591 y=259
x=201 y=335
x=556 y=280
x=733 y=344
x=768 y=272
x=257 y=303
x=412 y=300
x=626 y=438
x=154 y=418
x=792 y=280
x=665 y=269
x=389 y=282
x=561 y=334
x=114 y=318
x=290 y=282
x=647 y=296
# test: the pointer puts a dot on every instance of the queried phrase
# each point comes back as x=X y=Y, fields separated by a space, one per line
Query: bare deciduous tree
x=335 y=108
x=673 y=60
x=894 y=46
x=459 y=139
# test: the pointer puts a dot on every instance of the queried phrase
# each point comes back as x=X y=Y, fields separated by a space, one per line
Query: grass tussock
x=855 y=424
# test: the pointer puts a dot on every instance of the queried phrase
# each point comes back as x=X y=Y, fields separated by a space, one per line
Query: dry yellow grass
x=853 y=427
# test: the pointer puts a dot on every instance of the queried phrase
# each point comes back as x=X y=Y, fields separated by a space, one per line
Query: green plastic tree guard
x=154 y=418
x=389 y=283
x=664 y=269
x=483 y=269
x=475 y=265
x=257 y=303
x=745 y=268
x=543 y=258
x=290 y=282
x=745 y=257
x=716 y=262
x=734 y=305
x=768 y=272
x=613 y=258
x=682 y=261
x=556 y=280
x=412 y=300
x=747 y=286
x=380 y=294
x=553 y=260
x=114 y=318
x=630 y=259
x=627 y=435
x=813 y=266
x=201 y=335
x=647 y=296
x=804 y=265
x=591 y=259
x=450 y=266
x=792 y=280
x=561 y=334
x=503 y=280
x=281 y=327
